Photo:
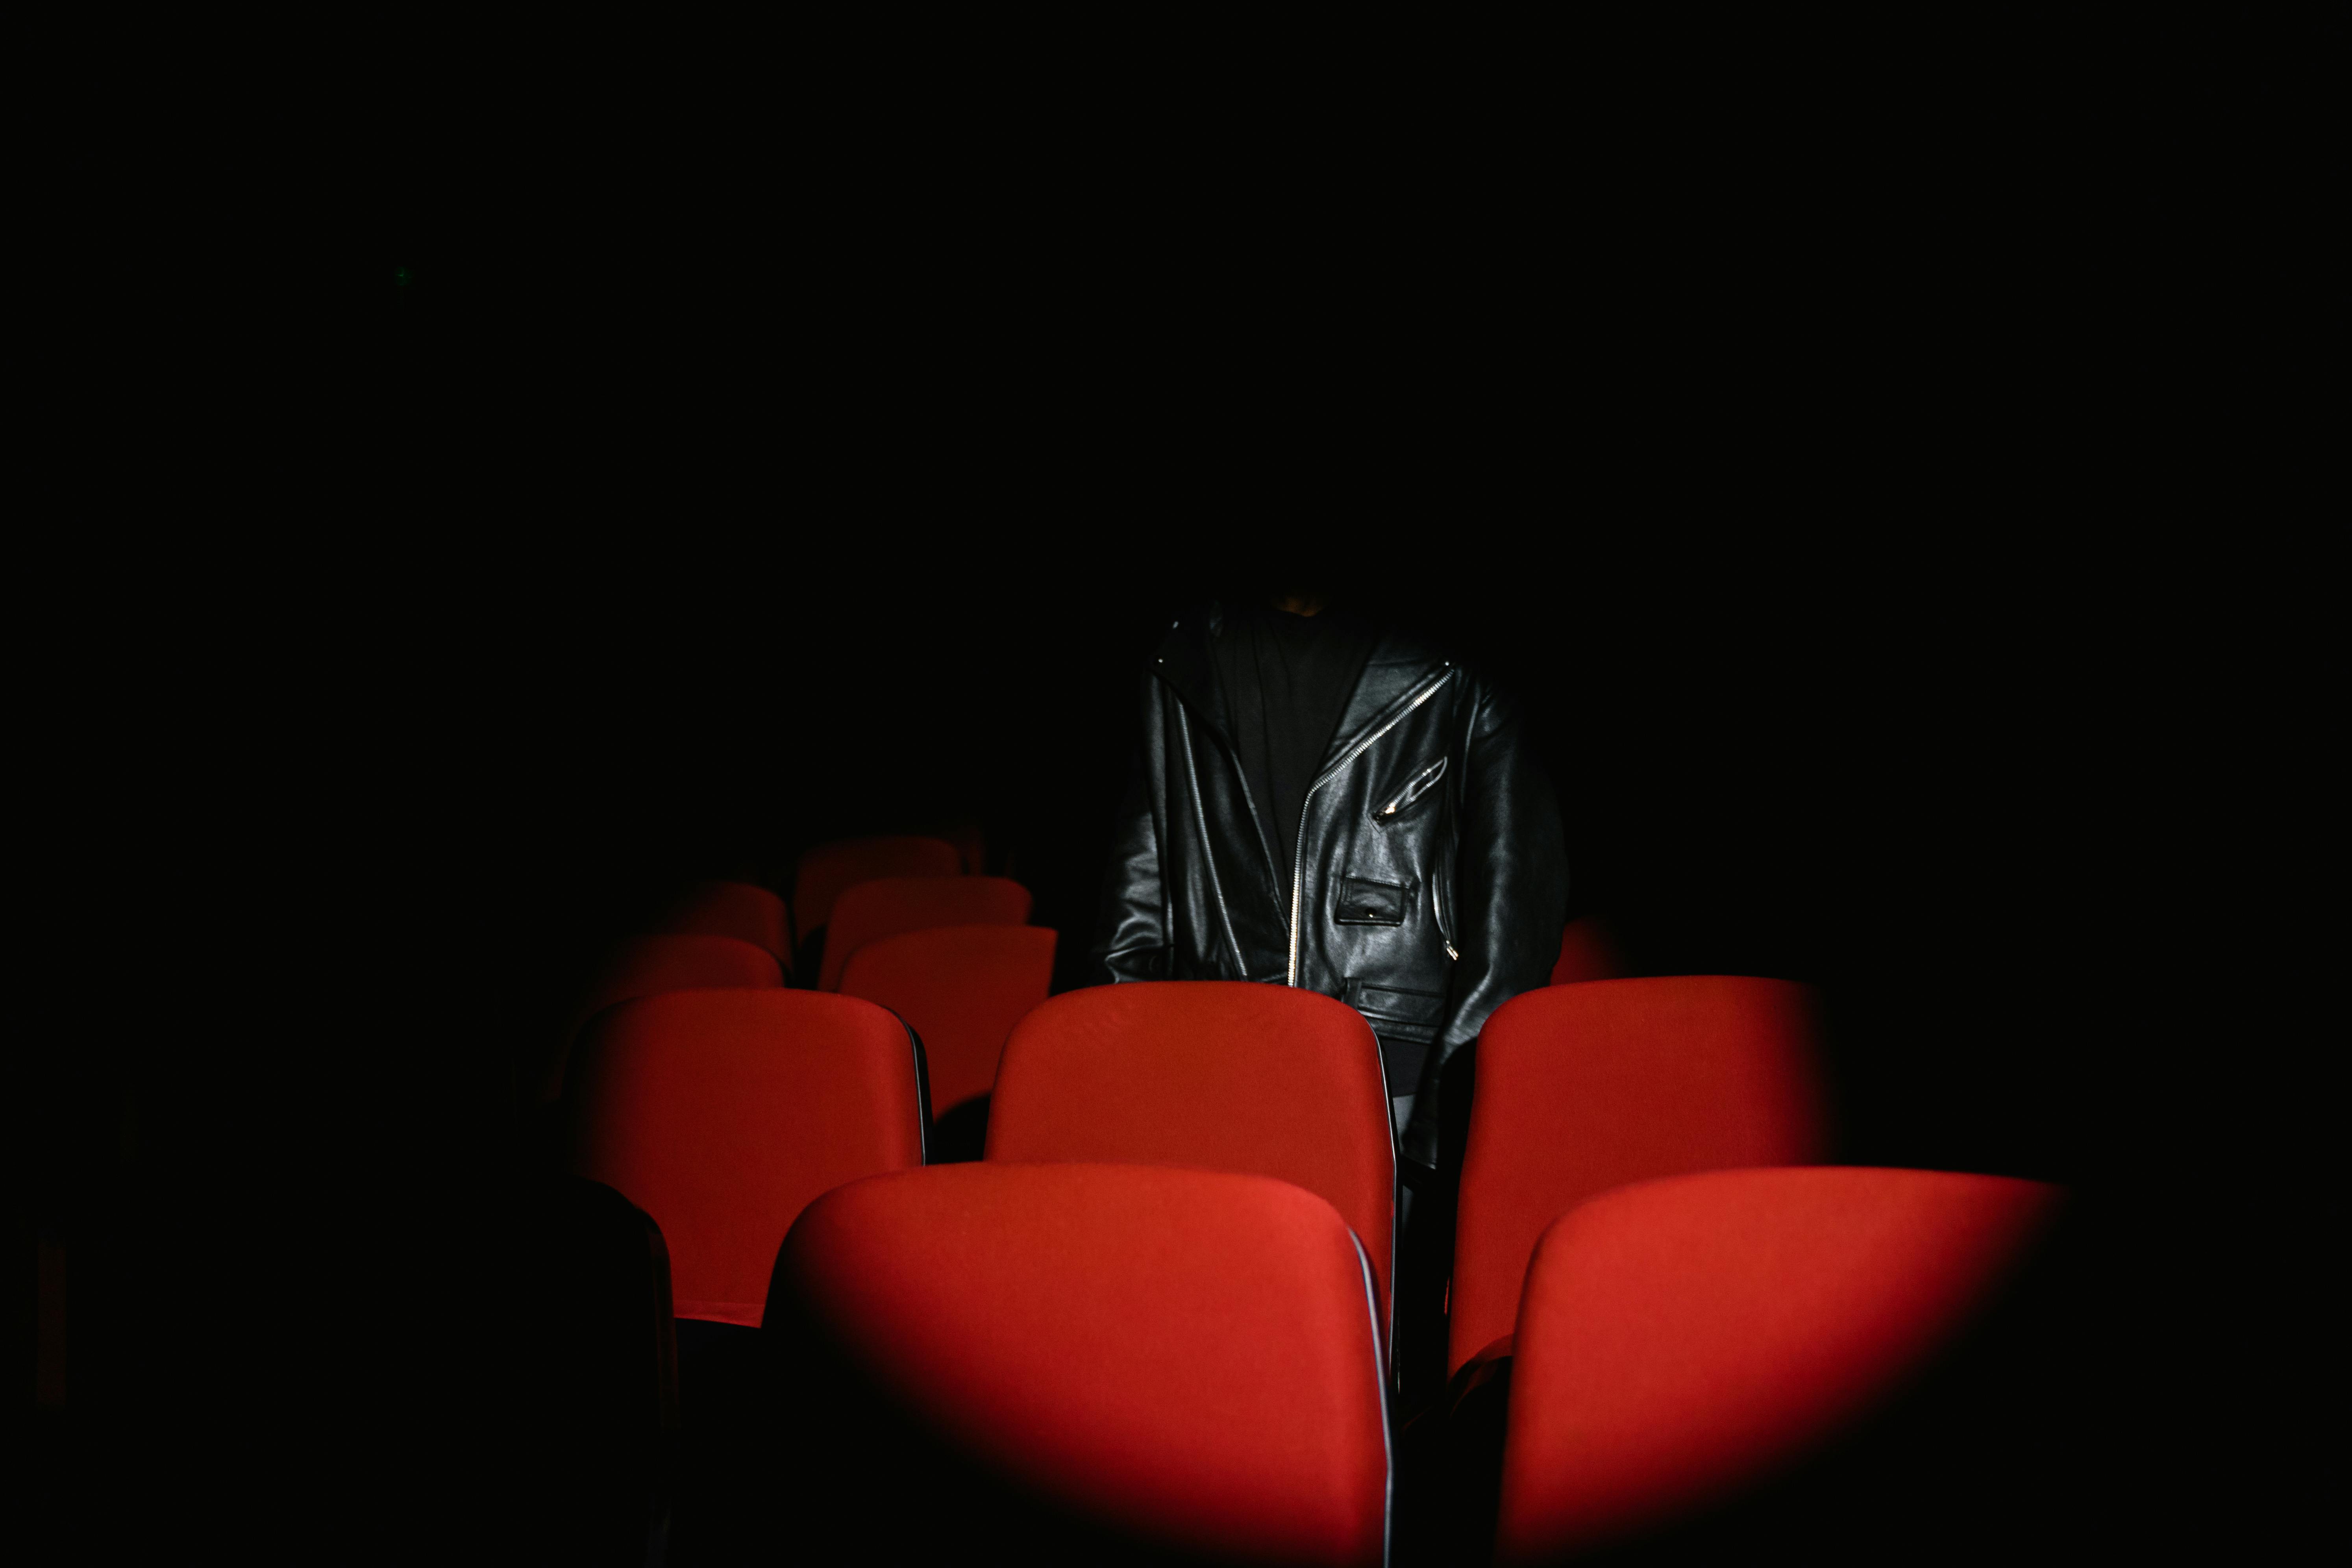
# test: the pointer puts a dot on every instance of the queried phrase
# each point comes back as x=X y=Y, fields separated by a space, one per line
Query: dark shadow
x=808 y=960
x=598 y=1385
x=1425 y=1251
x=804 y=1455
x=960 y=1132
x=1450 y=1471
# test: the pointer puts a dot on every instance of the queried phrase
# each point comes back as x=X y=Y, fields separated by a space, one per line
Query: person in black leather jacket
x=1329 y=804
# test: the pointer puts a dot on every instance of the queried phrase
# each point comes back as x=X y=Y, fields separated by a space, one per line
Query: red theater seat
x=889 y=905
x=1584 y=1087
x=971 y=841
x=649 y=966
x=1678 y=1338
x=961 y=988
x=828 y=868
x=1220 y=1074
x=646 y=966
x=1588 y=951
x=721 y=1113
x=740 y=909
x=1188 y=1355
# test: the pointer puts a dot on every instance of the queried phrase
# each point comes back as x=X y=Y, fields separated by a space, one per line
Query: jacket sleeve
x=1510 y=901
x=1132 y=941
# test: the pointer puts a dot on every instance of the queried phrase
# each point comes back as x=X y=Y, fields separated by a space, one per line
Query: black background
x=668 y=475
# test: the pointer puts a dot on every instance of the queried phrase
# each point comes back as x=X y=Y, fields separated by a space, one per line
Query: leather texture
x=1429 y=826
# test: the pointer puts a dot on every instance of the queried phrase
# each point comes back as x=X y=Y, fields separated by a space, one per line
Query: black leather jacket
x=1431 y=882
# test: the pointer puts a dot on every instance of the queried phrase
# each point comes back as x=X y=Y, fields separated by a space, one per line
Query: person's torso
x=1358 y=903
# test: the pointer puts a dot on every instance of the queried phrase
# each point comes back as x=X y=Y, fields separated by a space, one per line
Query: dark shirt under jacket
x=1285 y=679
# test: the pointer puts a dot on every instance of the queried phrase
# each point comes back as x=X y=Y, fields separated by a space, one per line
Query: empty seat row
x=1583 y=1089
x=963 y=989
x=728 y=934
x=876 y=903
x=779 y=927
x=1661 y=1338
x=1164 y=1364
x=724 y=1112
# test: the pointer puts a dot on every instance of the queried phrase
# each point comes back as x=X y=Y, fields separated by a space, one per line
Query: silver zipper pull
x=1451 y=954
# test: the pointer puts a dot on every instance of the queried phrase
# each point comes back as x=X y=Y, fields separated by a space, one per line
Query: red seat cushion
x=1679 y=1337
x=1220 y=1074
x=1188 y=1354
x=889 y=905
x=740 y=909
x=721 y=1113
x=962 y=989
x=828 y=869
x=1584 y=1087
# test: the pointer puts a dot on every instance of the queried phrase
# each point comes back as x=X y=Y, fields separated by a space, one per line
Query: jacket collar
x=1399 y=666
x=1400 y=673
x=1183 y=661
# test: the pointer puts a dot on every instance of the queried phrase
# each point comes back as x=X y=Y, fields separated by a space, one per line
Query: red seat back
x=1584 y=1087
x=740 y=909
x=1221 y=1074
x=650 y=965
x=721 y=1113
x=961 y=988
x=971 y=841
x=1679 y=1337
x=1588 y=951
x=889 y=905
x=828 y=868
x=1187 y=1353
x=646 y=966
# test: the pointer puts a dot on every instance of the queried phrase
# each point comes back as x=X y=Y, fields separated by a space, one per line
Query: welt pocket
x=1394 y=1010
x=1368 y=903
x=1402 y=798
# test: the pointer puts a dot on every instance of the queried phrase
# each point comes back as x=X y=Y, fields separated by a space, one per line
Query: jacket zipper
x=1298 y=862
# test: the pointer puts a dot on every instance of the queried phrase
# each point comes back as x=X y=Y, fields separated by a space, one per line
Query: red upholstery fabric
x=1187 y=1352
x=889 y=905
x=1584 y=1087
x=740 y=909
x=961 y=988
x=649 y=966
x=1680 y=1337
x=971 y=841
x=1588 y=951
x=721 y=1113
x=826 y=869
x=1221 y=1074
x=644 y=965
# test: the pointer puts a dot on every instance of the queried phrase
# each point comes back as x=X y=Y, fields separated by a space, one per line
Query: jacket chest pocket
x=1403 y=799
x=1368 y=903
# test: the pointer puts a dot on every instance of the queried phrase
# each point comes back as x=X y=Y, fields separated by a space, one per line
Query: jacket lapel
x=1181 y=660
x=1397 y=668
